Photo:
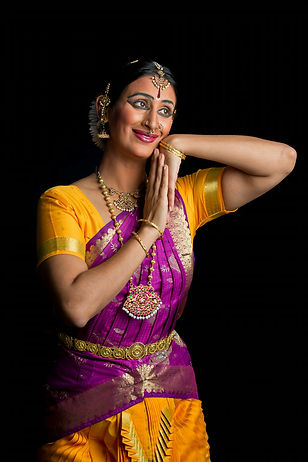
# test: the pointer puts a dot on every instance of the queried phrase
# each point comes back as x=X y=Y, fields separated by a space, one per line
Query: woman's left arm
x=254 y=165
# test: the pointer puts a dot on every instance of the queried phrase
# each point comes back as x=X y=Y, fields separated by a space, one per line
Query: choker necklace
x=126 y=201
x=142 y=301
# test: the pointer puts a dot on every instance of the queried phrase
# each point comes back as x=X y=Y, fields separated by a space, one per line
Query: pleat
x=72 y=448
x=155 y=430
x=190 y=436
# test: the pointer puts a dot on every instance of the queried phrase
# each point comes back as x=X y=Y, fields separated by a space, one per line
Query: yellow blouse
x=67 y=219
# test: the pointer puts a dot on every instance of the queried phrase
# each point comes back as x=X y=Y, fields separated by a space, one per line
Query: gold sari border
x=118 y=394
x=213 y=195
x=58 y=245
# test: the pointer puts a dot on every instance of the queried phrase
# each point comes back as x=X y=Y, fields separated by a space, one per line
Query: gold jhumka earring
x=101 y=104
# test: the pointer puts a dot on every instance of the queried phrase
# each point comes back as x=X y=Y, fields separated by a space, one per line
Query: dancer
x=116 y=250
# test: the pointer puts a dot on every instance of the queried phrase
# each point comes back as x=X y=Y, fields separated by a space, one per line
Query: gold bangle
x=173 y=150
x=154 y=226
x=136 y=236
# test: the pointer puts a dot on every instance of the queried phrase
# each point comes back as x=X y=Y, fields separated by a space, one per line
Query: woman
x=116 y=250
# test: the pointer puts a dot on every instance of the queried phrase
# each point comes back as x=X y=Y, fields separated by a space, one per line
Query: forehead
x=145 y=85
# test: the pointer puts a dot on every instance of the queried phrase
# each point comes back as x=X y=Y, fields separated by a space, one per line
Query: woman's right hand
x=156 y=198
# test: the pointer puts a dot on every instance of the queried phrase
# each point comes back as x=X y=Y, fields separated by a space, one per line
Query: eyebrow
x=152 y=97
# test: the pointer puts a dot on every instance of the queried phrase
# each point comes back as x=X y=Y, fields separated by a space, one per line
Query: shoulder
x=68 y=195
x=70 y=192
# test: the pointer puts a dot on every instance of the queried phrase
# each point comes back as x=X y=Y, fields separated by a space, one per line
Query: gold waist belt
x=137 y=350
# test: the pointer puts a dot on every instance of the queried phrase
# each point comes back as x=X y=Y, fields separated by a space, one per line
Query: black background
x=239 y=72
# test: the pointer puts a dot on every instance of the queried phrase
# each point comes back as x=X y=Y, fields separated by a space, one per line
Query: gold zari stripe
x=211 y=190
x=137 y=350
x=61 y=243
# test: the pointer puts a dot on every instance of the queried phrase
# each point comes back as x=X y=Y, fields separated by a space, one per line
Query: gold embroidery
x=173 y=263
x=126 y=385
x=97 y=248
x=108 y=397
x=213 y=204
x=178 y=339
x=133 y=386
x=61 y=244
x=147 y=380
x=180 y=232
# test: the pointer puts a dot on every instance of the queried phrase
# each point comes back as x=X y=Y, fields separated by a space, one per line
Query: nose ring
x=151 y=131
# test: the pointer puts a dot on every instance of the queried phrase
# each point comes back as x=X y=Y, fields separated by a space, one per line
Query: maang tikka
x=101 y=104
x=160 y=81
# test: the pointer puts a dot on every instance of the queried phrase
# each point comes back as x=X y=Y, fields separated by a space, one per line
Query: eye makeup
x=145 y=103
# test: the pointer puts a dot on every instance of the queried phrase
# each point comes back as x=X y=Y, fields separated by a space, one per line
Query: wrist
x=172 y=144
x=174 y=141
x=148 y=234
x=152 y=224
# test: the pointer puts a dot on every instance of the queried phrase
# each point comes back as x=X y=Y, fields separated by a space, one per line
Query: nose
x=152 y=121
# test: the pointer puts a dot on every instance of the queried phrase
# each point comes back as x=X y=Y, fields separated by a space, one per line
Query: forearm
x=93 y=289
x=254 y=156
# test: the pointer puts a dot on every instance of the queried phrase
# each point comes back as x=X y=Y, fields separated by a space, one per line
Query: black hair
x=121 y=77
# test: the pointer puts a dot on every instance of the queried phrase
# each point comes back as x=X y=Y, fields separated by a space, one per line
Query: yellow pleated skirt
x=157 y=429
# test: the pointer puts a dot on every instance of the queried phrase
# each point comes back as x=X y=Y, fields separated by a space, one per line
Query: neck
x=122 y=172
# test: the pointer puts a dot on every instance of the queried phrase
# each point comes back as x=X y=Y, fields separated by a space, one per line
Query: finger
x=170 y=198
x=153 y=168
x=159 y=172
x=164 y=182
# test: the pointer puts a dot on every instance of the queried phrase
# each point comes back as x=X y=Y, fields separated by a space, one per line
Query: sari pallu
x=83 y=388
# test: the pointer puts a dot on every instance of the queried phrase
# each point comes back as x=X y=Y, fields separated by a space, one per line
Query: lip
x=146 y=137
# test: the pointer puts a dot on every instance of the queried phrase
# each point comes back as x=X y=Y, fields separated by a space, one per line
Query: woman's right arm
x=80 y=293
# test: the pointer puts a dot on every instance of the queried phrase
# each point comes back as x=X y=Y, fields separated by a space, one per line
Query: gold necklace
x=142 y=301
x=123 y=203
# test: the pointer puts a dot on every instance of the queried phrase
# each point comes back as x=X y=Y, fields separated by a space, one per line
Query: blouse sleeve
x=59 y=228
x=202 y=195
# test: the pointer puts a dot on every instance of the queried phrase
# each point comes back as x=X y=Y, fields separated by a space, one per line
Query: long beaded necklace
x=142 y=301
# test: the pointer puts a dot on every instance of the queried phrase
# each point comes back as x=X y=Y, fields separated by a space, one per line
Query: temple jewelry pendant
x=124 y=203
x=142 y=302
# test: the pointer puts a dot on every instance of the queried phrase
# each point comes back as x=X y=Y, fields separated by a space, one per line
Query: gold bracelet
x=154 y=226
x=173 y=150
x=136 y=236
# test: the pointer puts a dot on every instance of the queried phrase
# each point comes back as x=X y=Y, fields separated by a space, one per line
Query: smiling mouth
x=146 y=137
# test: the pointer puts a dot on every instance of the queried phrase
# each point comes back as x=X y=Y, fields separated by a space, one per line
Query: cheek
x=126 y=117
x=166 y=126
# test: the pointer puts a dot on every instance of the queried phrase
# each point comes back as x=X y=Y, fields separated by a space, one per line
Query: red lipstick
x=146 y=137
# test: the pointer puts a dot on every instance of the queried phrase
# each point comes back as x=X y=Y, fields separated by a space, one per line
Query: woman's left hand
x=173 y=163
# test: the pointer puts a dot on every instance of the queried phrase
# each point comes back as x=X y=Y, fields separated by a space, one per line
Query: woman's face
x=140 y=119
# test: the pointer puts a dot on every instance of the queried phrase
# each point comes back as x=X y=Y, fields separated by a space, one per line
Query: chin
x=142 y=150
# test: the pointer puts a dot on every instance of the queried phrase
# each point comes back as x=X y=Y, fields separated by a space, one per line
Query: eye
x=165 y=111
x=139 y=104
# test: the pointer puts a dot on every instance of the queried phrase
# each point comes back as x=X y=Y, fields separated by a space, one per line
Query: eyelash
x=135 y=104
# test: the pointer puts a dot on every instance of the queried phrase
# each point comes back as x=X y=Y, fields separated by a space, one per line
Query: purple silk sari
x=84 y=388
